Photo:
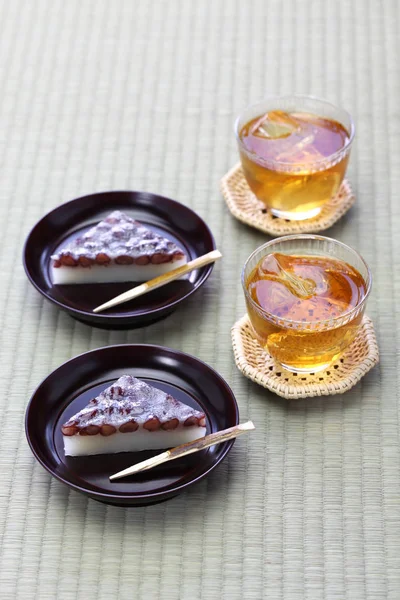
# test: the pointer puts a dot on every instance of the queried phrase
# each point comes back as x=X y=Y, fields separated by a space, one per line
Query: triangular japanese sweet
x=130 y=416
x=115 y=250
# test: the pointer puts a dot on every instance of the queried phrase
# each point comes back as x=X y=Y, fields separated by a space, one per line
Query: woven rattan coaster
x=256 y=364
x=246 y=208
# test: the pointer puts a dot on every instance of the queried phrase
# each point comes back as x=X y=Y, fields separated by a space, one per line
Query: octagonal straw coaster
x=248 y=209
x=256 y=364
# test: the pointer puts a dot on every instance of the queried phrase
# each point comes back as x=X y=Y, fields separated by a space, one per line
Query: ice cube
x=274 y=125
x=272 y=296
x=276 y=267
x=274 y=263
x=300 y=151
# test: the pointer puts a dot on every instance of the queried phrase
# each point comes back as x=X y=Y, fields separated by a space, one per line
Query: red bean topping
x=128 y=427
x=142 y=260
x=152 y=424
x=102 y=259
x=84 y=261
x=171 y=424
x=69 y=430
x=90 y=430
x=107 y=430
x=159 y=258
x=124 y=260
x=68 y=260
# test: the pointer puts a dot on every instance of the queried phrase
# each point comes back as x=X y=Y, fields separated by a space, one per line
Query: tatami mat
x=138 y=94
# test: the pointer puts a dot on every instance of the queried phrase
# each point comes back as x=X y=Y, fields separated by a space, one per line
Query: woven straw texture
x=256 y=364
x=142 y=94
x=244 y=205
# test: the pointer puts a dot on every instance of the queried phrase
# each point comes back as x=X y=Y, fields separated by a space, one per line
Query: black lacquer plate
x=167 y=217
x=70 y=387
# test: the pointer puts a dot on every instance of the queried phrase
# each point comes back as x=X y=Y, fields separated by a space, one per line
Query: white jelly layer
x=83 y=445
x=111 y=273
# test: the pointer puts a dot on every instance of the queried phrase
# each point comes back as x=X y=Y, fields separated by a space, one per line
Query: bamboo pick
x=197 y=263
x=185 y=449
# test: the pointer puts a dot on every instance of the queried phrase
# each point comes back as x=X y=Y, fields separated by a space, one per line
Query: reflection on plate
x=70 y=387
x=167 y=217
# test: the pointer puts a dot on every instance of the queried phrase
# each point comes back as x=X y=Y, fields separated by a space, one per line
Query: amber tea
x=304 y=300
x=294 y=161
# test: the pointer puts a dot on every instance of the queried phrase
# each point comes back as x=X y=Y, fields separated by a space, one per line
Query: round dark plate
x=70 y=387
x=168 y=217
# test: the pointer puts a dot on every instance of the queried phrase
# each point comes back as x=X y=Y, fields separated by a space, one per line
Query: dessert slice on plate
x=130 y=416
x=115 y=250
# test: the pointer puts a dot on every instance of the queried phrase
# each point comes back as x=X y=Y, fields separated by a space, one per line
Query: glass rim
x=326 y=159
x=305 y=324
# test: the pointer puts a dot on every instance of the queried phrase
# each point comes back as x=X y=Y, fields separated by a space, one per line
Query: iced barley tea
x=294 y=161
x=298 y=304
